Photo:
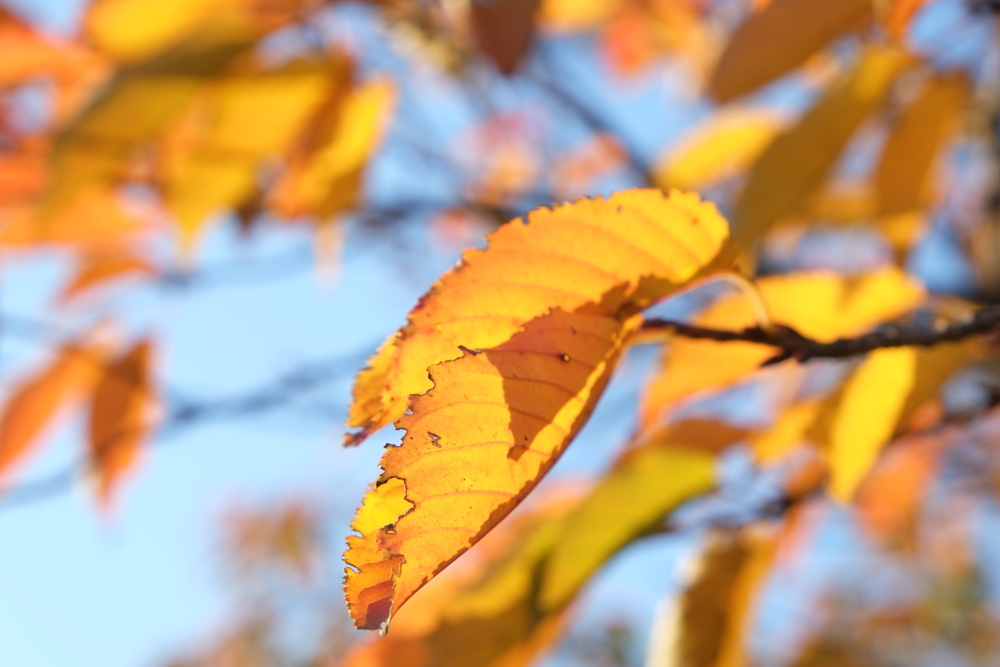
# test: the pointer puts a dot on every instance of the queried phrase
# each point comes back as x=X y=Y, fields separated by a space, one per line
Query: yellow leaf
x=530 y=268
x=710 y=622
x=326 y=179
x=132 y=31
x=645 y=485
x=788 y=430
x=576 y=15
x=210 y=160
x=822 y=306
x=797 y=161
x=905 y=174
x=780 y=37
x=493 y=421
x=869 y=409
x=96 y=147
x=725 y=144
x=119 y=418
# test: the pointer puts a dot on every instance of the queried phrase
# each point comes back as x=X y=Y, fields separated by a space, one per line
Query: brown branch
x=793 y=345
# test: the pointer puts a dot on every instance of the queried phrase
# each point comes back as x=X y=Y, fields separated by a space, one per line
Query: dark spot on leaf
x=564 y=357
x=471 y=351
x=434 y=439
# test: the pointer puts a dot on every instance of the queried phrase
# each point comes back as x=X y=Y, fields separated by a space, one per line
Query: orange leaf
x=576 y=15
x=530 y=268
x=27 y=54
x=35 y=402
x=100 y=268
x=94 y=219
x=119 y=418
x=568 y=286
x=895 y=15
x=780 y=37
x=905 y=174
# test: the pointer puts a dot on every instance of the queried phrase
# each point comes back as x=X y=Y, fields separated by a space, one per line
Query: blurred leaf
x=576 y=15
x=798 y=160
x=120 y=418
x=99 y=268
x=34 y=403
x=644 y=486
x=504 y=30
x=28 y=54
x=725 y=144
x=822 y=306
x=869 y=409
x=895 y=15
x=904 y=176
x=95 y=219
x=780 y=37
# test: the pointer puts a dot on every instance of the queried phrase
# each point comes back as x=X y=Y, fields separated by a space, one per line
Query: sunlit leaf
x=325 y=178
x=725 y=144
x=788 y=430
x=643 y=487
x=576 y=15
x=94 y=219
x=497 y=418
x=822 y=306
x=869 y=409
x=904 y=176
x=119 y=420
x=532 y=268
x=797 y=161
x=238 y=123
x=34 y=403
x=28 y=54
x=778 y=38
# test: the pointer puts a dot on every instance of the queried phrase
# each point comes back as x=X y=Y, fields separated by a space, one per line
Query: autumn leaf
x=822 y=306
x=869 y=410
x=119 y=420
x=796 y=162
x=238 y=123
x=723 y=145
x=325 y=173
x=504 y=30
x=527 y=270
x=101 y=267
x=35 y=402
x=96 y=219
x=576 y=15
x=496 y=418
x=778 y=38
x=904 y=175
x=28 y=54
x=895 y=15
x=709 y=624
x=643 y=487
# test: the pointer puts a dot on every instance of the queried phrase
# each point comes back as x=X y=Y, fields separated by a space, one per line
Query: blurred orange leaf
x=95 y=219
x=35 y=402
x=120 y=418
x=780 y=37
x=99 y=268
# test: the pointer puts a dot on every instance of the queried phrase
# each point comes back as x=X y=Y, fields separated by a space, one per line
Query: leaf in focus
x=779 y=38
x=238 y=123
x=497 y=418
x=35 y=402
x=870 y=407
x=904 y=176
x=797 y=161
x=529 y=269
x=99 y=268
x=326 y=179
x=725 y=144
x=482 y=611
x=643 y=487
x=119 y=421
x=819 y=305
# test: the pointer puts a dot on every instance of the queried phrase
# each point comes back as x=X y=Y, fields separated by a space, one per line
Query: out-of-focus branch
x=793 y=345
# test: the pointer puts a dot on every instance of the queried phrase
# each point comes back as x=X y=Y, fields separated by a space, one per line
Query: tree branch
x=793 y=345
